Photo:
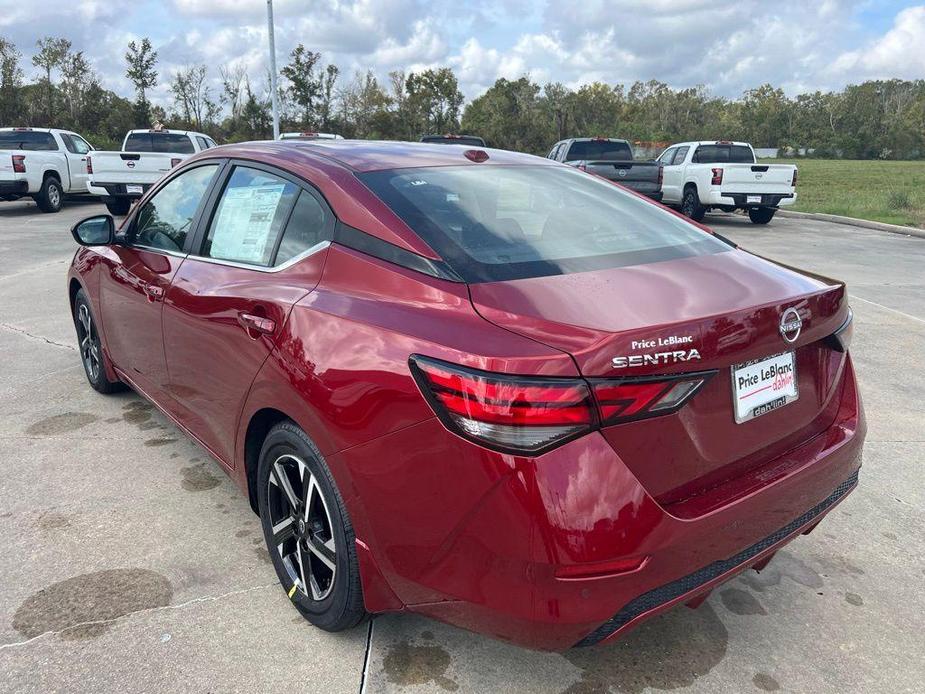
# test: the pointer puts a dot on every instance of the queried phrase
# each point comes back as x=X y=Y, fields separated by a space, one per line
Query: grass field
x=883 y=191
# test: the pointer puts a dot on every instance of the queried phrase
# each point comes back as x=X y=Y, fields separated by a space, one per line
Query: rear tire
x=308 y=533
x=119 y=207
x=91 y=351
x=690 y=205
x=51 y=195
x=761 y=215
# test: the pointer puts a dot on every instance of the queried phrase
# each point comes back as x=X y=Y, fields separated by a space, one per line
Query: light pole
x=272 y=69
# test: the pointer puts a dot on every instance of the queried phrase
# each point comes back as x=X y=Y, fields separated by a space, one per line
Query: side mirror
x=94 y=231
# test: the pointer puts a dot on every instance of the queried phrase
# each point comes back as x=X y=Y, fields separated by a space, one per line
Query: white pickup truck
x=699 y=176
x=42 y=163
x=146 y=155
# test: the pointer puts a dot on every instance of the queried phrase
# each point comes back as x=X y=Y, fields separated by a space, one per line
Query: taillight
x=174 y=161
x=661 y=174
x=793 y=181
x=624 y=401
x=840 y=340
x=530 y=415
x=19 y=163
x=717 y=177
x=512 y=414
x=89 y=165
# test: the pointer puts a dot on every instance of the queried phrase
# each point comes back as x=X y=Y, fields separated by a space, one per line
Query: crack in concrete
x=151 y=610
x=364 y=673
x=38 y=338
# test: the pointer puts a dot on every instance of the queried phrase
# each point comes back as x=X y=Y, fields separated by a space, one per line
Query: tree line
x=875 y=119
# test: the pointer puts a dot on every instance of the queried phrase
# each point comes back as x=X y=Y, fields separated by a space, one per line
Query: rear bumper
x=720 y=198
x=14 y=188
x=569 y=548
x=116 y=190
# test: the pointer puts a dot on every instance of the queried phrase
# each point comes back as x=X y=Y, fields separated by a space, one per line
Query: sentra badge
x=657 y=358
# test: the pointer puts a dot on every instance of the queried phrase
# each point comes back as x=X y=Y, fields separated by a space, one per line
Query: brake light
x=793 y=181
x=530 y=415
x=476 y=155
x=174 y=162
x=661 y=174
x=623 y=401
x=19 y=163
x=89 y=165
x=513 y=414
x=840 y=340
x=717 y=177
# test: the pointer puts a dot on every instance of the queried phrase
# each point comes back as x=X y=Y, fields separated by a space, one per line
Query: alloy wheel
x=54 y=195
x=301 y=528
x=89 y=346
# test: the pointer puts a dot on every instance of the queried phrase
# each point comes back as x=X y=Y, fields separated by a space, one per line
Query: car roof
x=375 y=155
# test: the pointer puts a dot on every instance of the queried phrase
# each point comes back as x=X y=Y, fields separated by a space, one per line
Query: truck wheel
x=690 y=205
x=50 y=196
x=761 y=215
x=119 y=207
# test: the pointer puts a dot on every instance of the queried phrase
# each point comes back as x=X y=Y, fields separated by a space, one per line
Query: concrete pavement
x=130 y=563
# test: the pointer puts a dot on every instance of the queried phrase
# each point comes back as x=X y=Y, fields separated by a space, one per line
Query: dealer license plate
x=134 y=189
x=762 y=386
x=753 y=198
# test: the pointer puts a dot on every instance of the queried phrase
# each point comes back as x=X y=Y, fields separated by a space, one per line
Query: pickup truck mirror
x=98 y=230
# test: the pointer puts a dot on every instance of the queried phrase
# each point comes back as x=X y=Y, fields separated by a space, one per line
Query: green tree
x=510 y=116
x=433 y=102
x=51 y=54
x=305 y=81
x=10 y=82
x=140 y=59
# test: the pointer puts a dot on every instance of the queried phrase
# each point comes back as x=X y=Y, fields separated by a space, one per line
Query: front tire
x=91 y=351
x=761 y=215
x=50 y=196
x=119 y=207
x=307 y=530
x=690 y=205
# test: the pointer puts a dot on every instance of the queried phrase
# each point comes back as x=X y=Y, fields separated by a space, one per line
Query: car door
x=140 y=267
x=260 y=250
x=672 y=173
x=77 y=149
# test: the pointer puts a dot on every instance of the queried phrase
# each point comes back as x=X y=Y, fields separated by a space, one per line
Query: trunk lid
x=699 y=313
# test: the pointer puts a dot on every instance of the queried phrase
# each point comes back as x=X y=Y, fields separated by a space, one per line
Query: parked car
x=475 y=384
x=611 y=159
x=310 y=136
x=700 y=176
x=146 y=155
x=469 y=140
x=42 y=163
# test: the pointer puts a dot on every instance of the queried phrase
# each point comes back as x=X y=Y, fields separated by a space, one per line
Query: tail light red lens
x=528 y=415
x=840 y=340
x=717 y=177
x=19 y=163
x=793 y=181
x=89 y=166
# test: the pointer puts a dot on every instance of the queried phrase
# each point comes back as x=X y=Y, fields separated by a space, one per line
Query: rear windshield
x=531 y=221
x=720 y=154
x=29 y=141
x=462 y=140
x=159 y=142
x=599 y=149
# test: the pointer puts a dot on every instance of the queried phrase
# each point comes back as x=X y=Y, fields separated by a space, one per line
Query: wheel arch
x=258 y=426
x=74 y=286
x=51 y=173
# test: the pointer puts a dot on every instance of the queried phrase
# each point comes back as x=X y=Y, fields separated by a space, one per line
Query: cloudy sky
x=797 y=44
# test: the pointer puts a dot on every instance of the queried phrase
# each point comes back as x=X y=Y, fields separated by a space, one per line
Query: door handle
x=154 y=292
x=256 y=325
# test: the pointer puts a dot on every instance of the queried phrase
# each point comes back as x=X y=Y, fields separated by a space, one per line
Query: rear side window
x=512 y=222
x=308 y=226
x=28 y=141
x=203 y=144
x=74 y=144
x=599 y=149
x=251 y=214
x=174 y=143
x=722 y=154
x=680 y=155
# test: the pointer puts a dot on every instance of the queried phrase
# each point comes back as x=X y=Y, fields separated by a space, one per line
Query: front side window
x=493 y=223
x=164 y=221
x=667 y=156
x=251 y=214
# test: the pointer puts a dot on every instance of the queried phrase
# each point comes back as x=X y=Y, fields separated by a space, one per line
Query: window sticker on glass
x=244 y=220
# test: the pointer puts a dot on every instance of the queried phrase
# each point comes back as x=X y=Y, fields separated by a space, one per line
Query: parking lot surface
x=131 y=563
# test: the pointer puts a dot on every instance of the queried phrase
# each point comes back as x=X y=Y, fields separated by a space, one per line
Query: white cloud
x=898 y=53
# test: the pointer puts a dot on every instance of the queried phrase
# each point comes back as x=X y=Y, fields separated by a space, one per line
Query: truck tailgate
x=130 y=167
x=756 y=178
x=624 y=171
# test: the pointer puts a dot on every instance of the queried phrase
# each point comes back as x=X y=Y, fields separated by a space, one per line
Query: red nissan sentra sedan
x=474 y=384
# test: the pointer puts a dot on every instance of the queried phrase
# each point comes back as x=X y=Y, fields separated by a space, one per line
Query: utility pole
x=272 y=69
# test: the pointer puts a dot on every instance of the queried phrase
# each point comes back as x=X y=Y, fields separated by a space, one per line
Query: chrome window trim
x=320 y=246
x=152 y=249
